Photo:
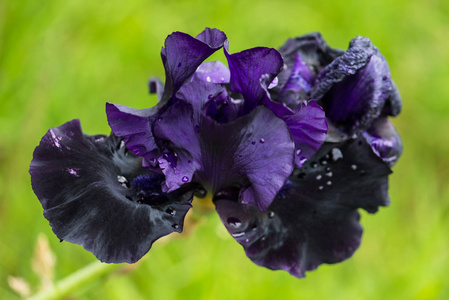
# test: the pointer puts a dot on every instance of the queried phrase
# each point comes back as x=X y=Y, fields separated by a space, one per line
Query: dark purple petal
x=385 y=141
x=314 y=218
x=254 y=153
x=183 y=54
x=214 y=72
x=96 y=194
x=355 y=86
x=134 y=126
x=298 y=84
x=307 y=124
x=312 y=49
x=211 y=100
x=247 y=68
x=308 y=128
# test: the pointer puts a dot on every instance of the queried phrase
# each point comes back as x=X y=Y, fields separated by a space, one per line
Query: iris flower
x=289 y=144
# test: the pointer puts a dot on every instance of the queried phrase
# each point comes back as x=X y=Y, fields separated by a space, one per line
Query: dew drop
x=271 y=214
x=328 y=174
x=209 y=96
x=318 y=177
x=323 y=162
x=185 y=179
x=234 y=222
x=122 y=180
x=314 y=165
x=208 y=79
x=328 y=169
x=261 y=141
x=329 y=182
x=298 y=152
x=175 y=226
x=354 y=167
x=336 y=154
x=253 y=142
x=238 y=234
x=320 y=187
x=170 y=211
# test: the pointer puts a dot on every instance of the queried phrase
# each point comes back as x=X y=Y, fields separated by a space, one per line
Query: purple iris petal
x=183 y=54
x=214 y=72
x=312 y=49
x=96 y=194
x=298 y=84
x=385 y=141
x=308 y=127
x=307 y=124
x=354 y=86
x=134 y=126
x=254 y=153
x=247 y=68
x=314 y=218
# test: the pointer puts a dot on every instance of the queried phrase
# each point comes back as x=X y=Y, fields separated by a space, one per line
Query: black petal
x=96 y=194
x=314 y=218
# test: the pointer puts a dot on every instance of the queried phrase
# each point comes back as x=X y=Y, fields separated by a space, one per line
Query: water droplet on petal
x=271 y=214
x=253 y=142
x=234 y=222
x=209 y=96
x=318 y=177
x=175 y=226
x=328 y=174
x=314 y=165
x=336 y=154
x=354 y=167
x=185 y=179
x=208 y=79
x=320 y=187
x=329 y=182
x=170 y=211
x=261 y=141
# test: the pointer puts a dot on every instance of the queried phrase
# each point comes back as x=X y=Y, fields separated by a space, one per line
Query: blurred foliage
x=61 y=60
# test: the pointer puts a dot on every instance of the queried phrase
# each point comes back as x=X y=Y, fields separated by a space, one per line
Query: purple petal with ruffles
x=183 y=54
x=355 y=86
x=313 y=219
x=134 y=126
x=313 y=50
x=96 y=194
x=247 y=68
x=385 y=140
x=254 y=152
x=213 y=72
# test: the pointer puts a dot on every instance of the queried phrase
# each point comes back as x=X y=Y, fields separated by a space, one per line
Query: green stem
x=75 y=281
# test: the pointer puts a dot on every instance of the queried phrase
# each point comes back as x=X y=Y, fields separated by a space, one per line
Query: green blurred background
x=61 y=60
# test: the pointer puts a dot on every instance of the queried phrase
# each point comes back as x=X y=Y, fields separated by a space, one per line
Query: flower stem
x=75 y=281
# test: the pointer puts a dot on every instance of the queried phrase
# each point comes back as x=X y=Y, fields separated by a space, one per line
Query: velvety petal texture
x=183 y=54
x=247 y=68
x=384 y=140
x=96 y=194
x=354 y=86
x=314 y=218
x=254 y=152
